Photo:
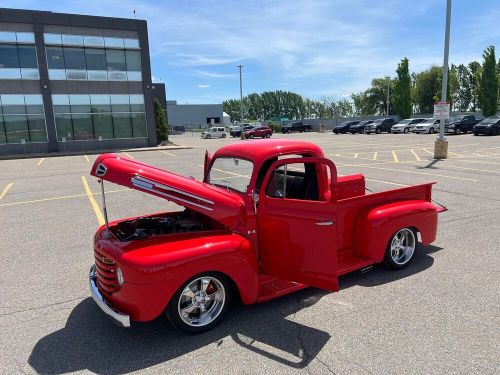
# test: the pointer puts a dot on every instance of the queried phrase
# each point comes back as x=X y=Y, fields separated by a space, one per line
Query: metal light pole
x=242 y=136
x=441 y=144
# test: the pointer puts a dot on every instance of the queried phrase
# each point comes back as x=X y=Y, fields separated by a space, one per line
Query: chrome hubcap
x=402 y=246
x=202 y=301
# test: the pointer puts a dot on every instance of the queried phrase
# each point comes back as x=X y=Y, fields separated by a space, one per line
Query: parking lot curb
x=92 y=152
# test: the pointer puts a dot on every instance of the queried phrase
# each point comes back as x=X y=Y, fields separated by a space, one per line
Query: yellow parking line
x=375 y=155
x=168 y=153
x=422 y=173
x=40 y=161
x=93 y=203
x=395 y=156
x=58 y=198
x=417 y=158
x=130 y=156
x=4 y=191
x=456 y=155
x=428 y=151
x=86 y=158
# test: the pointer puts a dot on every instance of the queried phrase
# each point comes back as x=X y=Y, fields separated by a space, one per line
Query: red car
x=262 y=131
x=270 y=217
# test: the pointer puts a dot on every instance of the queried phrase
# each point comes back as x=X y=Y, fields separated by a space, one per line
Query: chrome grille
x=106 y=273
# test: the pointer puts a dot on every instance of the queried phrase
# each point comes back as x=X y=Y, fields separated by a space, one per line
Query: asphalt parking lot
x=438 y=316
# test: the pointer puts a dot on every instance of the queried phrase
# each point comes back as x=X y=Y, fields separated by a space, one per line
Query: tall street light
x=441 y=144
x=242 y=136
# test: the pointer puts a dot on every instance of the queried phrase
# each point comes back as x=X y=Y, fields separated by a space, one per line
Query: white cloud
x=203 y=86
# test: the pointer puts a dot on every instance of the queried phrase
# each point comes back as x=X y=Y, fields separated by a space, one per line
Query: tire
x=223 y=136
x=251 y=136
x=400 y=248
x=195 y=295
x=378 y=131
x=476 y=133
x=268 y=135
x=431 y=131
x=208 y=136
x=456 y=131
x=406 y=130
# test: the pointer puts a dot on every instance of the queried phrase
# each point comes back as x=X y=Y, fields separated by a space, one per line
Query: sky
x=316 y=48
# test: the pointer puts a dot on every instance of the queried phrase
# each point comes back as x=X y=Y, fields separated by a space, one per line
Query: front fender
x=375 y=226
x=157 y=272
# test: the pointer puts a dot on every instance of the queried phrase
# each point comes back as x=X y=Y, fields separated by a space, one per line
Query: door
x=296 y=223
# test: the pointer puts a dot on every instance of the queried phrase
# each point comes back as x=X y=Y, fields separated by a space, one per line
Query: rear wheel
x=400 y=248
x=406 y=130
x=252 y=136
x=200 y=304
x=208 y=136
x=476 y=133
x=378 y=131
x=268 y=135
x=456 y=131
x=223 y=135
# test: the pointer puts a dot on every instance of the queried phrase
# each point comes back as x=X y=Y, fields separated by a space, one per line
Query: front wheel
x=252 y=136
x=431 y=131
x=268 y=135
x=456 y=131
x=378 y=131
x=208 y=136
x=223 y=136
x=400 y=248
x=406 y=130
x=200 y=304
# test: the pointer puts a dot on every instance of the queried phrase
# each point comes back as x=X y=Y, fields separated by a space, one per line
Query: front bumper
x=119 y=318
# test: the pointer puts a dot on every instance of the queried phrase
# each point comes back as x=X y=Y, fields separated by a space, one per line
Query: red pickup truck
x=269 y=218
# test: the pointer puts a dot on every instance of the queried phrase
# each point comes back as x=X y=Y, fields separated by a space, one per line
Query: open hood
x=223 y=206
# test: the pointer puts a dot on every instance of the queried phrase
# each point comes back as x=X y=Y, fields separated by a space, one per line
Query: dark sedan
x=344 y=127
x=359 y=127
x=236 y=130
x=490 y=125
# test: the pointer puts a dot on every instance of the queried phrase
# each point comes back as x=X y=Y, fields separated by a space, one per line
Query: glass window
x=95 y=58
x=116 y=60
x=16 y=128
x=82 y=126
x=10 y=73
x=96 y=41
x=131 y=43
x=74 y=58
x=60 y=99
x=25 y=37
x=64 y=126
x=3 y=138
x=74 y=40
x=79 y=104
x=138 y=124
x=134 y=76
x=225 y=169
x=103 y=125
x=120 y=103
x=27 y=57
x=52 y=38
x=55 y=57
x=122 y=125
x=8 y=56
x=133 y=60
x=7 y=36
x=34 y=104
x=137 y=103
x=57 y=74
x=97 y=75
x=100 y=103
x=30 y=73
x=76 y=74
x=13 y=104
x=117 y=76
x=36 y=124
x=114 y=42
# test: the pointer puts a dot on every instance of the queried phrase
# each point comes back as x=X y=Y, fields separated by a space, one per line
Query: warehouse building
x=194 y=116
x=73 y=82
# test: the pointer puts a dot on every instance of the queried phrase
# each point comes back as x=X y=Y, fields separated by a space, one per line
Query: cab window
x=294 y=181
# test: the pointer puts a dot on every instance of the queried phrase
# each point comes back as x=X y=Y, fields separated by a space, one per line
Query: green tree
x=232 y=108
x=475 y=77
x=488 y=85
x=161 y=122
x=402 y=90
x=428 y=89
x=463 y=95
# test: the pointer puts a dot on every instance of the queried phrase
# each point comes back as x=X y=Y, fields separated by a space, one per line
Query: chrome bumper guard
x=120 y=319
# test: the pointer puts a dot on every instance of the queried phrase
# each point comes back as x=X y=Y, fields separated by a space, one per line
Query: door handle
x=324 y=223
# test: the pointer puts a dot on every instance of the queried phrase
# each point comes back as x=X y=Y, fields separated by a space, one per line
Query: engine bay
x=149 y=226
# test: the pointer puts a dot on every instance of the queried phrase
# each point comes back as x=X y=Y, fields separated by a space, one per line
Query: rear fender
x=375 y=225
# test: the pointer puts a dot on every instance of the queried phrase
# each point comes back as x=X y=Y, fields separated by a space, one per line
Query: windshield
x=455 y=119
x=403 y=122
x=490 y=120
x=376 y=122
x=230 y=173
x=428 y=121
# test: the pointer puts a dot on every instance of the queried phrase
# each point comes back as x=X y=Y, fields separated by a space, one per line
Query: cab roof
x=261 y=150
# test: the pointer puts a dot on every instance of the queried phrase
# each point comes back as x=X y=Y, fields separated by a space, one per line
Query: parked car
x=380 y=125
x=360 y=126
x=259 y=226
x=236 y=130
x=296 y=126
x=406 y=125
x=215 y=132
x=428 y=126
x=344 y=126
x=461 y=124
x=262 y=131
x=490 y=125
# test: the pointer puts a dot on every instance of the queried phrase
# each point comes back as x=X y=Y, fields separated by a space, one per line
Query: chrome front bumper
x=120 y=319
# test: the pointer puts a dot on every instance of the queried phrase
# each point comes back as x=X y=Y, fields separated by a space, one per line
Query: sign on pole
x=441 y=111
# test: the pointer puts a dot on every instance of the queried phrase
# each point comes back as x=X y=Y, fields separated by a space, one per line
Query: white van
x=215 y=132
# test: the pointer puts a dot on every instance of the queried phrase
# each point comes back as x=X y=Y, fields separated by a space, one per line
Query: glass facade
x=84 y=117
x=93 y=58
x=18 y=56
x=22 y=118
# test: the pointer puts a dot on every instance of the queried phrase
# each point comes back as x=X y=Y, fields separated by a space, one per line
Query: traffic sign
x=441 y=111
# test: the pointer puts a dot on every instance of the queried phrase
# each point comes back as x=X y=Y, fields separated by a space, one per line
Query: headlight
x=119 y=276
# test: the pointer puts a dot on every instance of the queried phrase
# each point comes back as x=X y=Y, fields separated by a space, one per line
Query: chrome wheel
x=201 y=301
x=402 y=246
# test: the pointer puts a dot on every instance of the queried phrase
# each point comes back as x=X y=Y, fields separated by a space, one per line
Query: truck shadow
x=90 y=342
